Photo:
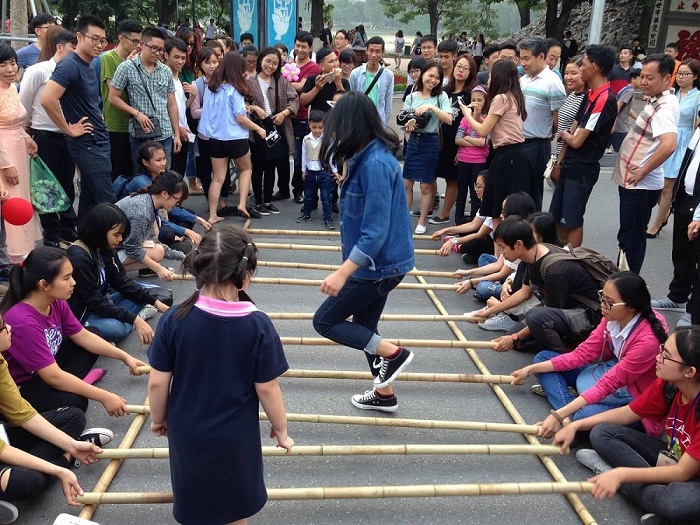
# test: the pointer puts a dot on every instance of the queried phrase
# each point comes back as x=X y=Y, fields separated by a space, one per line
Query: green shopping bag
x=47 y=194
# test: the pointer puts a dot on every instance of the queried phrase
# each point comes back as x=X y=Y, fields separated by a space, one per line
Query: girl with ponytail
x=609 y=369
x=213 y=359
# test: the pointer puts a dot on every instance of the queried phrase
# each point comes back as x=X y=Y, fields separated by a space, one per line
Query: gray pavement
x=417 y=400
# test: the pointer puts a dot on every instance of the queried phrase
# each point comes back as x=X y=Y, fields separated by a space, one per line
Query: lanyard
x=675 y=417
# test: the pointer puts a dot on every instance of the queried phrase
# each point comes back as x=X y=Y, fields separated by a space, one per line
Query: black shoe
x=147 y=272
x=416 y=213
x=335 y=208
x=371 y=401
x=277 y=196
x=298 y=198
x=227 y=211
x=304 y=218
x=271 y=208
x=391 y=368
x=260 y=208
x=330 y=225
x=436 y=201
x=254 y=214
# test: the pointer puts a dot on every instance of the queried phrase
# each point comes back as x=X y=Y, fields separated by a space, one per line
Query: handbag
x=407 y=114
x=139 y=132
x=548 y=169
x=274 y=145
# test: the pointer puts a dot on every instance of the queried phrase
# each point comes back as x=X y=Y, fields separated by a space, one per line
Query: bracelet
x=557 y=416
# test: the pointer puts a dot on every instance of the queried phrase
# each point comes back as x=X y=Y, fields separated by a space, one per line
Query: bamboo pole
x=315 y=233
x=304 y=316
x=433 y=424
x=373 y=492
x=183 y=277
x=322 y=248
x=111 y=470
x=318 y=282
x=576 y=503
x=358 y=450
x=413 y=343
x=334 y=267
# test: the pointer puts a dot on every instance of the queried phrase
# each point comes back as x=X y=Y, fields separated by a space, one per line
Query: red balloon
x=17 y=211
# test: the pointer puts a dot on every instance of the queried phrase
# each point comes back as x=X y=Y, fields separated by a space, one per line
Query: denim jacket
x=375 y=225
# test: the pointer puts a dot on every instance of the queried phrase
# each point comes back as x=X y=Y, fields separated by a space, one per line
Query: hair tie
x=249 y=244
x=196 y=251
x=244 y=258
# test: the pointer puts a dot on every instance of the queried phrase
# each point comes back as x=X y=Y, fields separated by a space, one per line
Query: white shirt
x=210 y=32
x=665 y=120
x=31 y=88
x=264 y=86
x=619 y=335
x=692 y=169
x=181 y=100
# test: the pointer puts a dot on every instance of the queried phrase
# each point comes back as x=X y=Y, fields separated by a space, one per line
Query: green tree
x=435 y=9
x=477 y=16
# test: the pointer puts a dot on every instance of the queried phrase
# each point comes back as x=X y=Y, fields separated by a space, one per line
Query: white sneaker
x=147 y=312
x=668 y=305
x=420 y=229
x=474 y=313
x=684 y=321
x=8 y=512
x=68 y=519
x=590 y=458
x=498 y=323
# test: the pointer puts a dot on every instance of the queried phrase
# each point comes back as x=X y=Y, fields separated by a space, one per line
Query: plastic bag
x=47 y=194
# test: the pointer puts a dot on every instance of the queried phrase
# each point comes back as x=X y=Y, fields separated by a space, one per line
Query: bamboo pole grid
x=559 y=486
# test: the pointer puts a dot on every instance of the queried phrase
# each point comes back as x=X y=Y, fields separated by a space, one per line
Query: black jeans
x=53 y=151
x=93 y=159
x=24 y=483
x=70 y=358
x=537 y=152
x=551 y=330
x=179 y=162
x=685 y=254
x=301 y=129
x=263 y=178
x=120 y=154
x=621 y=446
x=635 y=212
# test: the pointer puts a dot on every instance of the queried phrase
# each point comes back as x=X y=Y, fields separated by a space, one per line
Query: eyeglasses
x=606 y=302
x=664 y=357
x=155 y=49
x=178 y=200
x=479 y=186
x=462 y=68
x=134 y=41
x=96 y=40
x=684 y=74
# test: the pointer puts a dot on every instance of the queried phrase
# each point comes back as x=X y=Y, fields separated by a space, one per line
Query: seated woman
x=177 y=230
x=51 y=355
x=486 y=279
x=662 y=476
x=612 y=367
x=141 y=248
x=97 y=270
x=44 y=444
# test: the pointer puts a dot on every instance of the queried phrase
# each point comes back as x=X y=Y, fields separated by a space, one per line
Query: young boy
x=313 y=175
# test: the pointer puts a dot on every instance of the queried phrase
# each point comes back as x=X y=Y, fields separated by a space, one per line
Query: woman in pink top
x=509 y=170
x=612 y=367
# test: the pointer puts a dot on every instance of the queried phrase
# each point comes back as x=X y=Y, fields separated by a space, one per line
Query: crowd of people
x=163 y=116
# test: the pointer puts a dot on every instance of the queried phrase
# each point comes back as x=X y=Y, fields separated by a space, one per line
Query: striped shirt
x=659 y=117
x=567 y=115
x=544 y=94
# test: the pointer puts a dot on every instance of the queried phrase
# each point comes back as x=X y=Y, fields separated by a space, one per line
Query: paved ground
x=417 y=400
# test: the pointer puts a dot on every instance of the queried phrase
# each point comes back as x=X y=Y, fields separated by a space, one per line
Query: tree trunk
x=645 y=23
x=524 y=12
x=317 y=22
x=165 y=9
x=19 y=17
x=434 y=16
x=550 y=19
x=556 y=23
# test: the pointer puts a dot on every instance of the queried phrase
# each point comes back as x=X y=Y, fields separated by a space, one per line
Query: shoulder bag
x=139 y=132
x=274 y=145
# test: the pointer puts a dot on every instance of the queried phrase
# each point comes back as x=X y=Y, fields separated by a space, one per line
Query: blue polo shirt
x=78 y=101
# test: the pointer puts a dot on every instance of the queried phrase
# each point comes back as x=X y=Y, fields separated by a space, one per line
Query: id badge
x=666 y=459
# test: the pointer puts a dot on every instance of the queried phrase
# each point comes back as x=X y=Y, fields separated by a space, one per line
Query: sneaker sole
x=393 y=377
x=492 y=328
x=366 y=407
x=679 y=309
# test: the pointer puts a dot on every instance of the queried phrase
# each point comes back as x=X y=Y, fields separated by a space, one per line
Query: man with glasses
x=29 y=55
x=70 y=102
x=148 y=83
x=128 y=38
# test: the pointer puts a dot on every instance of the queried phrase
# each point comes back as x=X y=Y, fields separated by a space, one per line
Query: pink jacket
x=636 y=368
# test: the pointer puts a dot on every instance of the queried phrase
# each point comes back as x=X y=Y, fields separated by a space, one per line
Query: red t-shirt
x=305 y=71
x=652 y=405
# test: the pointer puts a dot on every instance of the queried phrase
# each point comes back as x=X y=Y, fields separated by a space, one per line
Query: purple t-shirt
x=37 y=337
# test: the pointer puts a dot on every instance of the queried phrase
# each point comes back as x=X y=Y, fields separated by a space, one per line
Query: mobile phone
x=329 y=76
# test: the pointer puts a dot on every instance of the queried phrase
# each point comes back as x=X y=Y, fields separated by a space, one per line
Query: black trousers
x=120 y=153
x=179 y=159
x=685 y=254
x=537 y=152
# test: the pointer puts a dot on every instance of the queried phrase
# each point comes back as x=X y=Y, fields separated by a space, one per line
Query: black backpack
x=597 y=265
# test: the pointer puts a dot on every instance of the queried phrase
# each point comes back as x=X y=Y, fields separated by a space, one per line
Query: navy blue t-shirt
x=78 y=101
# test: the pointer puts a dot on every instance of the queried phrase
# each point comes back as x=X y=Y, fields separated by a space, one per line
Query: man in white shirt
x=175 y=58
x=639 y=172
x=544 y=94
x=50 y=139
x=210 y=31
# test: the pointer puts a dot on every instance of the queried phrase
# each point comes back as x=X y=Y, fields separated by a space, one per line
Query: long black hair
x=519 y=203
x=688 y=344
x=635 y=294
x=546 y=226
x=99 y=220
x=350 y=126
x=226 y=255
x=42 y=264
x=263 y=54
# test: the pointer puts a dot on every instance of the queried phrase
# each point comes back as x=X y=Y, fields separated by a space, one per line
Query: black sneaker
x=335 y=208
x=260 y=208
x=271 y=208
x=416 y=213
x=298 y=198
x=330 y=225
x=391 y=368
x=8 y=512
x=254 y=214
x=278 y=196
x=371 y=401
x=304 y=218
x=436 y=201
x=147 y=272
x=439 y=220
x=227 y=211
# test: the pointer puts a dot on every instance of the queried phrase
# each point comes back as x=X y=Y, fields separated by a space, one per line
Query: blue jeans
x=136 y=143
x=315 y=181
x=486 y=289
x=191 y=170
x=635 y=212
x=114 y=330
x=624 y=447
x=556 y=386
x=364 y=300
x=93 y=160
